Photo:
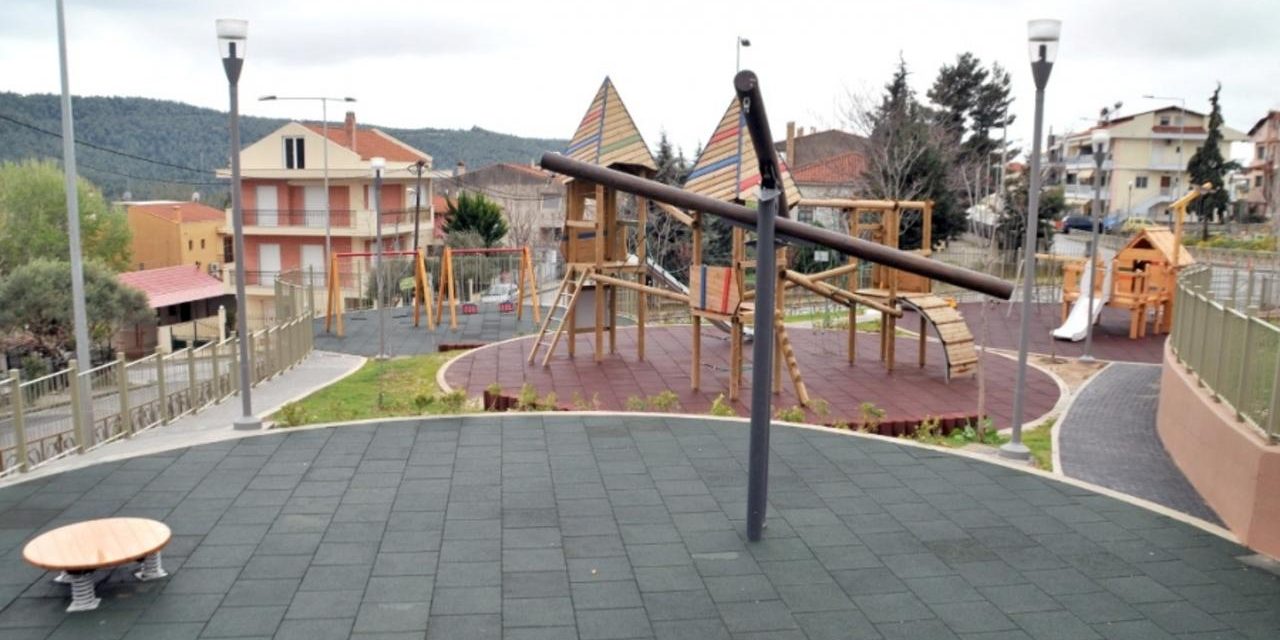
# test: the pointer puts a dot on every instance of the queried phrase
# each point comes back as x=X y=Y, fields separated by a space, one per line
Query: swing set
x=449 y=277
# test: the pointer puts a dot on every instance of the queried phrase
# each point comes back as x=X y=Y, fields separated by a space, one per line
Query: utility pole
x=418 y=168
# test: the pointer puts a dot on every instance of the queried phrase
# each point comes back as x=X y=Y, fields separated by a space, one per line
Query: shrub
x=666 y=402
x=820 y=407
x=720 y=407
x=494 y=389
x=791 y=414
x=549 y=402
x=636 y=403
x=871 y=415
x=454 y=401
x=422 y=401
x=528 y=398
x=292 y=414
x=929 y=430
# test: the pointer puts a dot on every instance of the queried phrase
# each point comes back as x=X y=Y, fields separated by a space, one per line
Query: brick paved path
x=545 y=526
x=908 y=393
x=1108 y=437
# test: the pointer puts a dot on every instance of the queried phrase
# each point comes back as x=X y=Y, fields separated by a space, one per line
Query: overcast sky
x=531 y=67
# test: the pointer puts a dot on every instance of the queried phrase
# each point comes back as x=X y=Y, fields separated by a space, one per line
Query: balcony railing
x=339 y=218
x=1085 y=191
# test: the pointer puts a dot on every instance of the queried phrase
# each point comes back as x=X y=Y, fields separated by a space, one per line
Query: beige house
x=284 y=204
x=1145 y=166
x=167 y=233
x=532 y=200
x=1262 y=186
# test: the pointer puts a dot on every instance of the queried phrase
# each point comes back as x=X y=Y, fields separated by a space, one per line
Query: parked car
x=1074 y=222
x=500 y=292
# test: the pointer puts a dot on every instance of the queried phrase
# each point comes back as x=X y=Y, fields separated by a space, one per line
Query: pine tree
x=1208 y=165
x=956 y=91
x=475 y=212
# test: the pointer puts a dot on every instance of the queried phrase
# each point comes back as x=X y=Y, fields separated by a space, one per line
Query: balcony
x=1084 y=191
x=1084 y=161
x=342 y=222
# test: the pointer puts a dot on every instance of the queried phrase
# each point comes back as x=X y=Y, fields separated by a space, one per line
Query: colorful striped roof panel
x=727 y=168
x=608 y=136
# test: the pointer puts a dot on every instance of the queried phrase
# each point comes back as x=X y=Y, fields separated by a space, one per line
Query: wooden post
x=891 y=232
x=735 y=357
x=780 y=301
x=853 y=280
x=642 y=299
x=19 y=422
x=122 y=391
x=163 y=388
x=924 y=326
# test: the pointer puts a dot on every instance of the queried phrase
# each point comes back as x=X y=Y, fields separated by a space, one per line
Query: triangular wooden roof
x=1161 y=239
x=607 y=136
x=727 y=168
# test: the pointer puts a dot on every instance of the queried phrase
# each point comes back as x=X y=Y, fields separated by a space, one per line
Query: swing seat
x=470 y=308
x=506 y=307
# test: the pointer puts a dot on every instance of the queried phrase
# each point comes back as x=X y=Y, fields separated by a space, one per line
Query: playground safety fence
x=44 y=419
x=1226 y=336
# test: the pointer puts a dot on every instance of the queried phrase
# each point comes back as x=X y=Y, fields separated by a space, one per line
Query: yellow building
x=1145 y=166
x=168 y=233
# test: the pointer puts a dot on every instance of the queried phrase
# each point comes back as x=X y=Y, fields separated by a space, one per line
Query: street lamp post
x=739 y=43
x=418 y=168
x=231 y=42
x=1182 y=134
x=1128 y=205
x=80 y=318
x=1099 y=140
x=1042 y=36
x=378 y=164
x=324 y=127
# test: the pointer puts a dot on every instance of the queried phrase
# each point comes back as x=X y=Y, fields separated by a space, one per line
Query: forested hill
x=184 y=137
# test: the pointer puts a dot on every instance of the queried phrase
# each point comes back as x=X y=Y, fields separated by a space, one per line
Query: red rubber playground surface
x=908 y=393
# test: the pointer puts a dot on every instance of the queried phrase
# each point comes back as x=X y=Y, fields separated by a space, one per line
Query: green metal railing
x=1223 y=333
x=44 y=419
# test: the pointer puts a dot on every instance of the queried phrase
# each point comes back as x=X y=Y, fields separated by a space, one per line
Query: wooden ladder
x=789 y=357
x=566 y=298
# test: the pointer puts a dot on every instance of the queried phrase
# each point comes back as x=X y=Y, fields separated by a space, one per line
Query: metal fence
x=44 y=419
x=1223 y=333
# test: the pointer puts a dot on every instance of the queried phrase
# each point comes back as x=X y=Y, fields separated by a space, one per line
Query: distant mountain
x=183 y=135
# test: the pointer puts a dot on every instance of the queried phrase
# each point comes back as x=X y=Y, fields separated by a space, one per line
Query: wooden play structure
x=526 y=281
x=605 y=251
x=1142 y=277
x=334 y=306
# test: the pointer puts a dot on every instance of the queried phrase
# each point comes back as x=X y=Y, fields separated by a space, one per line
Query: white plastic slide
x=1078 y=319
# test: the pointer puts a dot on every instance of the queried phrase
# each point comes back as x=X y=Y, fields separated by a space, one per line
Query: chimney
x=791 y=143
x=350 y=126
x=177 y=213
x=460 y=169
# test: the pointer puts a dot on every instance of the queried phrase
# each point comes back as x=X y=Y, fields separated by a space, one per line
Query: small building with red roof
x=190 y=307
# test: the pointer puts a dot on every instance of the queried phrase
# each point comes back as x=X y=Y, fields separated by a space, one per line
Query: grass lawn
x=1039 y=440
x=380 y=389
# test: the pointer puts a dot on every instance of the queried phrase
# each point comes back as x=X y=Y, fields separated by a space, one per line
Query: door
x=268 y=264
x=268 y=206
x=313 y=263
x=313 y=202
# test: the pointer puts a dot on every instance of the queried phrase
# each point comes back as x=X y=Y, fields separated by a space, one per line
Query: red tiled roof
x=371 y=143
x=180 y=211
x=533 y=171
x=842 y=169
x=174 y=285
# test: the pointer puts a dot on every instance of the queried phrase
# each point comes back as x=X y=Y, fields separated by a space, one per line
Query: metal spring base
x=151 y=568
x=82 y=595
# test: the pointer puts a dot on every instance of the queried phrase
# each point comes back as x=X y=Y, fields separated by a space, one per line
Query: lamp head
x=377 y=163
x=348 y=99
x=232 y=34
x=1099 y=138
x=1042 y=39
x=744 y=41
x=267 y=98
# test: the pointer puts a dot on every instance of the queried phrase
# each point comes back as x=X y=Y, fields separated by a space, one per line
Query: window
x=295 y=156
x=1166 y=182
x=1261 y=151
x=1140 y=182
x=1164 y=121
x=228 y=254
x=201 y=243
x=1257 y=181
x=550 y=202
x=190 y=245
x=806 y=215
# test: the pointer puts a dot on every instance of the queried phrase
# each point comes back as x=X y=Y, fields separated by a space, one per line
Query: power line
x=160 y=180
x=102 y=148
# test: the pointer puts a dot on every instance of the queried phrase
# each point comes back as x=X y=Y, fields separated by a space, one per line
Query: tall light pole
x=1182 y=134
x=1128 y=205
x=1042 y=36
x=231 y=42
x=324 y=127
x=79 y=317
x=739 y=43
x=378 y=164
x=1099 y=142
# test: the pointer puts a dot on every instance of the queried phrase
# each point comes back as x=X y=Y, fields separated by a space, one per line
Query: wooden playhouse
x=1143 y=280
